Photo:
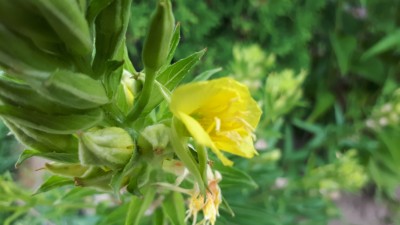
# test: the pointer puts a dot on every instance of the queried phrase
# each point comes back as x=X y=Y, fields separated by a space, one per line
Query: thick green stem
x=144 y=96
x=130 y=216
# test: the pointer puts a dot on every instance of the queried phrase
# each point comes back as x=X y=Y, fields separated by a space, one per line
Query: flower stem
x=138 y=206
x=130 y=216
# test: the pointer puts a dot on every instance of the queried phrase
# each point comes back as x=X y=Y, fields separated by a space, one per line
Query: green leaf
x=171 y=77
x=225 y=205
x=174 y=207
x=138 y=206
x=343 y=46
x=15 y=216
x=206 y=74
x=78 y=193
x=310 y=127
x=390 y=41
x=176 y=36
x=372 y=69
x=391 y=138
x=173 y=74
x=59 y=157
x=164 y=91
x=54 y=182
x=233 y=177
x=158 y=217
x=128 y=64
x=115 y=217
x=325 y=100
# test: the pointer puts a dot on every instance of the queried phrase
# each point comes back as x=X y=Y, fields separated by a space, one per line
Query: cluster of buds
x=283 y=92
x=250 y=65
x=345 y=173
x=386 y=115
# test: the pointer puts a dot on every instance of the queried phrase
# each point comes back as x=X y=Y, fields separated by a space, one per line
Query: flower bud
x=156 y=45
x=155 y=138
x=111 y=147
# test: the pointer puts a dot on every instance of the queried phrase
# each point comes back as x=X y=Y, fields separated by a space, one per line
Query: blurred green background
x=326 y=74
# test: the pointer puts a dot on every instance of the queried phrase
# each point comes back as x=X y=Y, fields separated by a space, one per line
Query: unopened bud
x=156 y=45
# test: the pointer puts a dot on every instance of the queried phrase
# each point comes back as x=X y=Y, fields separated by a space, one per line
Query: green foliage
x=285 y=27
x=325 y=73
x=8 y=150
x=345 y=174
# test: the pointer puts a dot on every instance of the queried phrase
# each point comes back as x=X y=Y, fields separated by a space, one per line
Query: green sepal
x=95 y=177
x=66 y=170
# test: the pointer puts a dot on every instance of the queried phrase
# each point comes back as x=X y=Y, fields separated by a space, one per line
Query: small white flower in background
x=281 y=182
x=261 y=144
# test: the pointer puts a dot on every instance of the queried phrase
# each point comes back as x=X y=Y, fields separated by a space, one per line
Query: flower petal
x=195 y=129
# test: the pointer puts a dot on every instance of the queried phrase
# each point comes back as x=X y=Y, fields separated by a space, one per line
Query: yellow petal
x=195 y=129
x=245 y=149
x=221 y=156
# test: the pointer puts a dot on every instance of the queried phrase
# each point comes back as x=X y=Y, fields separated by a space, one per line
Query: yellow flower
x=219 y=114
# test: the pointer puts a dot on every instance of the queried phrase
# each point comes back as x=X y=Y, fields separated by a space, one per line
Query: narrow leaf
x=390 y=41
x=233 y=177
x=206 y=74
x=59 y=157
x=176 y=36
x=54 y=182
x=174 y=207
x=343 y=47
x=171 y=77
x=138 y=206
